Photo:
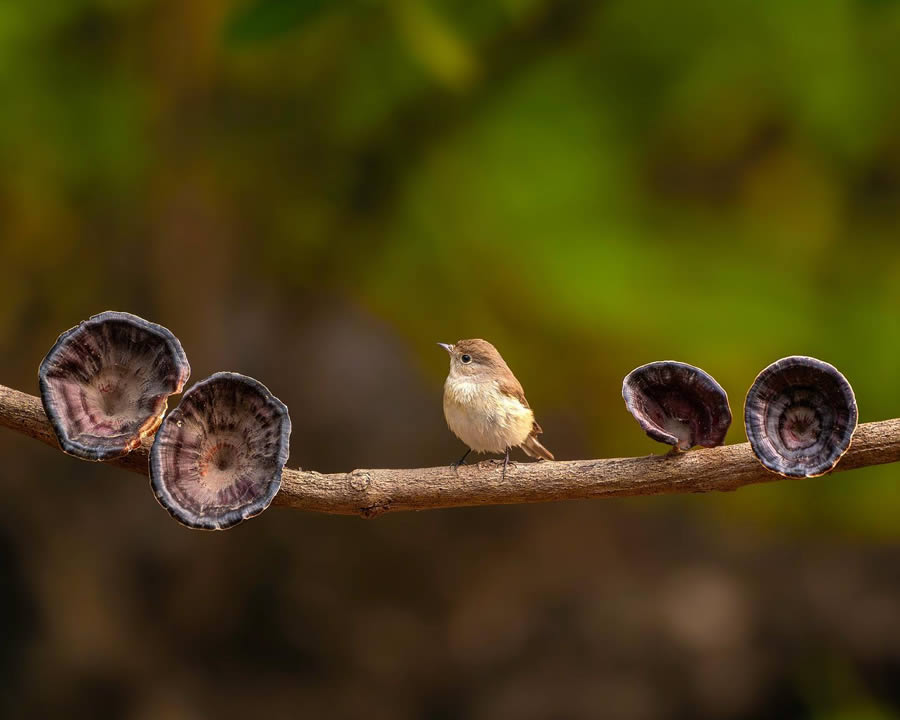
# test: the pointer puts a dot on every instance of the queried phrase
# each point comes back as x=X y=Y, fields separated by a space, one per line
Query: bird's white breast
x=483 y=417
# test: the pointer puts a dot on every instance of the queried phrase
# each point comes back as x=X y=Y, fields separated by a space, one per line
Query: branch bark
x=373 y=492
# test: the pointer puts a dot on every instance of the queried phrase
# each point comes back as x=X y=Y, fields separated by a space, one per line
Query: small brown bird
x=485 y=405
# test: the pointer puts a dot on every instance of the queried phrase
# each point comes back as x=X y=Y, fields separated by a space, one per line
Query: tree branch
x=372 y=492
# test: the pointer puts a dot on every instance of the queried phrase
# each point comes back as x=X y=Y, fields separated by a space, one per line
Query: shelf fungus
x=105 y=383
x=217 y=458
x=677 y=404
x=800 y=415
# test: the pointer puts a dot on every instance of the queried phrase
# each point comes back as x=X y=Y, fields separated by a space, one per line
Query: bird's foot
x=505 y=464
x=461 y=461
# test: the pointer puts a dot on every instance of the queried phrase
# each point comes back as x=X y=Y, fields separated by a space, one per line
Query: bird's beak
x=448 y=348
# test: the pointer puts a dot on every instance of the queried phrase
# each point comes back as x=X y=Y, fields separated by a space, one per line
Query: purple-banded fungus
x=217 y=458
x=677 y=404
x=800 y=415
x=106 y=382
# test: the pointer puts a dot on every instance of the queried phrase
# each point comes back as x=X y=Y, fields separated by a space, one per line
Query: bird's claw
x=461 y=461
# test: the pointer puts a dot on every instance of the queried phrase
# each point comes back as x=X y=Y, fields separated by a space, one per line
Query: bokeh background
x=314 y=192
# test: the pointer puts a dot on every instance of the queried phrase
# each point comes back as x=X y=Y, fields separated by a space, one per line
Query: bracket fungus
x=106 y=382
x=800 y=415
x=217 y=458
x=677 y=404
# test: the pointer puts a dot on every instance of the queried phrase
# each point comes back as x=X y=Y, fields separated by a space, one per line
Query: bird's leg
x=462 y=460
x=505 y=463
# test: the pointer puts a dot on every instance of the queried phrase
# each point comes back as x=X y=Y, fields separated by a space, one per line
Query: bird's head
x=474 y=359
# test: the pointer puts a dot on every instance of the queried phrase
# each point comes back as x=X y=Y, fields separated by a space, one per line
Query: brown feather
x=532 y=447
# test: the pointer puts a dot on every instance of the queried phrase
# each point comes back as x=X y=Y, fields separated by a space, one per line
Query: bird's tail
x=533 y=448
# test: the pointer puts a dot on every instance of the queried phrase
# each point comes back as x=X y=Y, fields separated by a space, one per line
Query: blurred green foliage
x=264 y=21
x=590 y=185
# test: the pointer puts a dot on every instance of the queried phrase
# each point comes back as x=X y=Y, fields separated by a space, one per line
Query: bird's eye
x=466 y=359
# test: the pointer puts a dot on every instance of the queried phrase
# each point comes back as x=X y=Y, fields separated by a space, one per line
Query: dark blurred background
x=314 y=192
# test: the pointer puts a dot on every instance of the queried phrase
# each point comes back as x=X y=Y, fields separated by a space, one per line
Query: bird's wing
x=512 y=387
x=509 y=385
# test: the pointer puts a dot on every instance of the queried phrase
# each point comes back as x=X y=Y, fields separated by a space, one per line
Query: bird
x=485 y=405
